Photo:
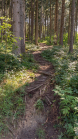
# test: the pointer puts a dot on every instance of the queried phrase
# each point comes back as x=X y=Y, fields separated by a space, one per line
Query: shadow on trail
x=36 y=123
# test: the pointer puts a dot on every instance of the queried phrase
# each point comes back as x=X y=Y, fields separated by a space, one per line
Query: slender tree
x=29 y=24
x=4 y=7
x=22 y=25
x=76 y=18
x=32 y=19
x=69 y=23
x=72 y=25
x=50 y=21
x=62 y=22
x=41 y=21
x=1 y=22
x=56 y=18
x=36 y=24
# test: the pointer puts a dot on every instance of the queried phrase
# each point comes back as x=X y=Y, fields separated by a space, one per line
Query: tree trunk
x=56 y=18
x=62 y=22
x=32 y=20
x=10 y=9
x=76 y=16
x=69 y=23
x=72 y=26
x=16 y=25
x=1 y=23
x=75 y=25
x=45 y=23
x=22 y=25
x=25 y=22
x=29 y=24
x=36 y=24
x=50 y=21
x=41 y=22
x=4 y=7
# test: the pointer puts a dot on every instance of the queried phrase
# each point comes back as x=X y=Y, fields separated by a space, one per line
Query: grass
x=15 y=74
x=41 y=133
x=39 y=104
x=65 y=40
x=31 y=47
x=66 y=76
x=47 y=40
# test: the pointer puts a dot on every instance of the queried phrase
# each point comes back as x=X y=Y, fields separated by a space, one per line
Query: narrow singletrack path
x=40 y=124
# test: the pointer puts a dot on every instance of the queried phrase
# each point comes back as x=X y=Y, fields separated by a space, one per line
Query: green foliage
x=41 y=133
x=70 y=130
x=76 y=40
x=8 y=39
x=66 y=75
x=12 y=62
x=31 y=47
x=39 y=104
x=60 y=136
x=12 y=106
x=14 y=76
x=74 y=83
x=47 y=40
x=65 y=39
x=28 y=61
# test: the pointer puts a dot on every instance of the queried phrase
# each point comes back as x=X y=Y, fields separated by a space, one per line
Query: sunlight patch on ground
x=14 y=80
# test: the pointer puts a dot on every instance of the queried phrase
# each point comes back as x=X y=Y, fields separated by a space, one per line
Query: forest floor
x=40 y=120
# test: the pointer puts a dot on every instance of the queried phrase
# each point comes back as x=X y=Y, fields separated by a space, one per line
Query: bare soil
x=37 y=124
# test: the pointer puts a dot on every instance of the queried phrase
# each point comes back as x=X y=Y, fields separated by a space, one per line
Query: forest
x=38 y=69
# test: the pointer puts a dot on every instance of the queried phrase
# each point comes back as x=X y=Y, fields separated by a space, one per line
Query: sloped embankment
x=42 y=109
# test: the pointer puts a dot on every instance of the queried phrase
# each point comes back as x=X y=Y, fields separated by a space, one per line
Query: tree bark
x=56 y=17
x=50 y=21
x=4 y=7
x=36 y=24
x=16 y=25
x=45 y=23
x=1 y=23
x=22 y=25
x=41 y=22
x=31 y=20
x=72 y=25
x=29 y=24
x=69 y=23
x=76 y=16
x=62 y=22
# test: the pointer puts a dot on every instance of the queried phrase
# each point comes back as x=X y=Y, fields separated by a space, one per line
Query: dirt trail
x=40 y=124
x=36 y=124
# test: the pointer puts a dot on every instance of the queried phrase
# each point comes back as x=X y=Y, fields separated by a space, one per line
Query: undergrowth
x=41 y=133
x=66 y=76
x=31 y=47
x=15 y=74
x=39 y=104
x=47 y=40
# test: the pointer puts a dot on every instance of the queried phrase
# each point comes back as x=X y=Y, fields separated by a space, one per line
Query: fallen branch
x=48 y=100
x=46 y=73
x=35 y=88
x=9 y=128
